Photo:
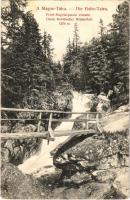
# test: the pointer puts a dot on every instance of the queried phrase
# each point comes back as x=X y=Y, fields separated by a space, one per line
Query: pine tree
x=24 y=66
x=119 y=39
x=11 y=24
x=76 y=43
x=46 y=46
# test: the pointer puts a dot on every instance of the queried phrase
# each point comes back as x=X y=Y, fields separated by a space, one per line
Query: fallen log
x=43 y=135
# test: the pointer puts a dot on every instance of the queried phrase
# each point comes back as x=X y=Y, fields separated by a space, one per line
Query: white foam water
x=42 y=162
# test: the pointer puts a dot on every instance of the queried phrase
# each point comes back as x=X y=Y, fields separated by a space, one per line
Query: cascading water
x=42 y=162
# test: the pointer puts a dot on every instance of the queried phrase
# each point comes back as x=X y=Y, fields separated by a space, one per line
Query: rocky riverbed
x=86 y=166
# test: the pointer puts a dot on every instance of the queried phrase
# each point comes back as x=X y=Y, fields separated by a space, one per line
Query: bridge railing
x=49 y=134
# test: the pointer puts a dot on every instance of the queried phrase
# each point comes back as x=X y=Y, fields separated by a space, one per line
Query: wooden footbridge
x=50 y=134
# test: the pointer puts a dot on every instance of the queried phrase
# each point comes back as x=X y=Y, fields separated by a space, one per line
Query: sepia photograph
x=64 y=99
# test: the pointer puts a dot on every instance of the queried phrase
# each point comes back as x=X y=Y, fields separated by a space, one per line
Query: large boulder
x=93 y=157
x=15 y=185
x=64 y=100
x=90 y=190
x=78 y=153
x=103 y=104
x=15 y=151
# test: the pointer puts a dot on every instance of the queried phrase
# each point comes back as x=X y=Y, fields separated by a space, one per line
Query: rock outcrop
x=95 y=158
x=15 y=185
x=15 y=151
x=91 y=161
x=103 y=104
x=90 y=190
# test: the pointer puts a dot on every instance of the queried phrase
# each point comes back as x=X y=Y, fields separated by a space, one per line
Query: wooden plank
x=72 y=120
x=50 y=120
x=22 y=135
x=50 y=131
x=18 y=119
x=53 y=120
x=87 y=122
x=99 y=127
x=43 y=135
x=43 y=111
x=39 y=122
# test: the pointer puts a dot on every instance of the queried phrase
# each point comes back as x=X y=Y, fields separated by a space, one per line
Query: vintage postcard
x=65 y=99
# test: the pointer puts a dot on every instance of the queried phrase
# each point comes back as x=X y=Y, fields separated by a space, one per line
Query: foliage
x=27 y=66
x=29 y=74
x=102 y=64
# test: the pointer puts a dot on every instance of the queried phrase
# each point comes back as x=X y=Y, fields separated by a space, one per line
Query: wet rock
x=19 y=150
x=5 y=129
x=18 y=155
x=82 y=125
x=15 y=185
x=103 y=104
x=5 y=155
x=80 y=178
x=64 y=100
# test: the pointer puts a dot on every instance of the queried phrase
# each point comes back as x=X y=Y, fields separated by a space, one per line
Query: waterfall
x=42 y=162
x=81 y=103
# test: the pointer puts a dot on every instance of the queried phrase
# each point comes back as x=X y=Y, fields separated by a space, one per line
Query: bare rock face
x=94 y=158
x=15 y=185
x=15 y=151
